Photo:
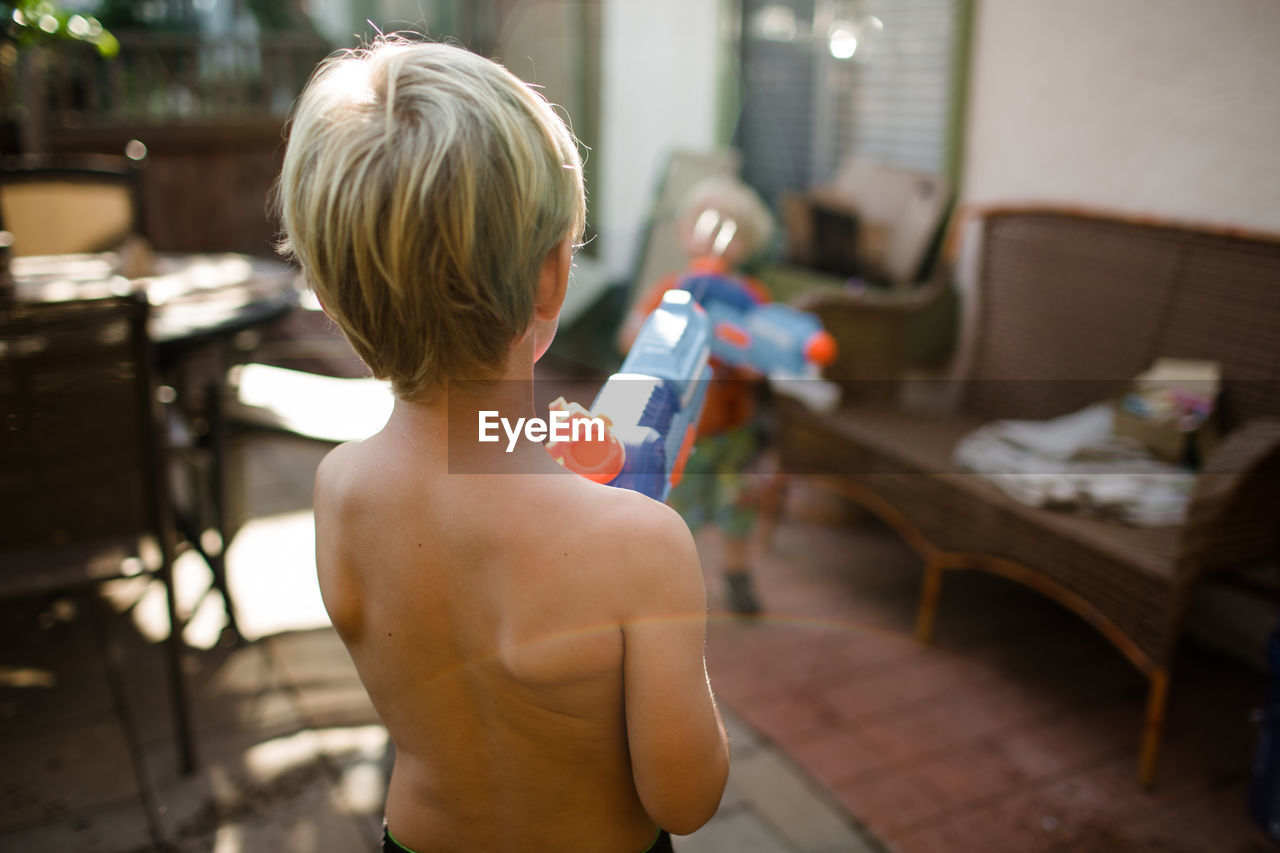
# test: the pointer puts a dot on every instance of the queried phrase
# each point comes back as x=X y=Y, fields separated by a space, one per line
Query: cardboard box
x=1166 y=440
x=1159 y=410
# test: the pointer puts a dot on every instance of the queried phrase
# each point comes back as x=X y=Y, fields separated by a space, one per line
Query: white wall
x=659 y=92
x=1169 y=107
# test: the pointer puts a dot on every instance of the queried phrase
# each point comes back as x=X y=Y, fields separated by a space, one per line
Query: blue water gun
x=773 y=339
x=649 y=408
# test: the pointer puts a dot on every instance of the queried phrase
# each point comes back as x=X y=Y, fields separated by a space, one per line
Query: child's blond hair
x=715 y=201
x=423 y=186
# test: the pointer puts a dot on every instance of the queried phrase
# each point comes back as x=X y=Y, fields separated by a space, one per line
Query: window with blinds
x=826 y=79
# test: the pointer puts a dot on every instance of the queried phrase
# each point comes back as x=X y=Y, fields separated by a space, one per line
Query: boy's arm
x=339 y=588
x=679 y=750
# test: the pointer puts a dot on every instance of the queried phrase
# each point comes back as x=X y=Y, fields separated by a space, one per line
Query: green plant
x=30 y=22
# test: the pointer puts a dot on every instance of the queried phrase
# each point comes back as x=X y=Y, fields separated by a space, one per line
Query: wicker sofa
x=1069 y=307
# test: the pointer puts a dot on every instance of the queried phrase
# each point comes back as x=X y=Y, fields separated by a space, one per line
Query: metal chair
x=83 y=457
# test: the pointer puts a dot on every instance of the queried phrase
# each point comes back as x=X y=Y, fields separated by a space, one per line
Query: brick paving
x=1015 y=730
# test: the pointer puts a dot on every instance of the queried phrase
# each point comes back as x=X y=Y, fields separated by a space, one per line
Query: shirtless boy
x=533 y=641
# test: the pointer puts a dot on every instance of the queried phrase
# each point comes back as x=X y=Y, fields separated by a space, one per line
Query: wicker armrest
x=1233 y=518
x=872 y=332
x=892 y=301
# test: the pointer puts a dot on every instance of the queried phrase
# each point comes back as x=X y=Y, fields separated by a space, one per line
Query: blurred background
x=1141 y=107
x=878 y=134
x=942 y=86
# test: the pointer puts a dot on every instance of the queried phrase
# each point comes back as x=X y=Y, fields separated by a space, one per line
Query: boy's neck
x=451 y=418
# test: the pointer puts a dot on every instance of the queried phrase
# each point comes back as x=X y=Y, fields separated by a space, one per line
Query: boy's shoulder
x=356 y=472
x=335 y=474
x=631 y=515
x=359 y=481
x=635 y=552
x=651 y=553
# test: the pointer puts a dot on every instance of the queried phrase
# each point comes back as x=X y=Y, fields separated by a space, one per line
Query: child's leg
x=715 y=488
x=739 y=589
x=736 y=514
x=737 y=521
x=773 y=485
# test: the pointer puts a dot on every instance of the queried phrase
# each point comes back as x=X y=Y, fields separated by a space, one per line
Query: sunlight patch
x=271 y=568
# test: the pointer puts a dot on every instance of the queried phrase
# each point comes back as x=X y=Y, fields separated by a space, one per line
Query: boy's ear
x=553 y=281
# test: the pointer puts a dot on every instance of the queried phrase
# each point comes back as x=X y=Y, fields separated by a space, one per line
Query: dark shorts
x=661 y=844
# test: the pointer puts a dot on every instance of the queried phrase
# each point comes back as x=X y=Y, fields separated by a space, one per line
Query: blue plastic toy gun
x=773 y=339
x=650 y=406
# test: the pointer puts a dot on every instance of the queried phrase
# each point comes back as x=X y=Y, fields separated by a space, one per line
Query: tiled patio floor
x=1015 y=731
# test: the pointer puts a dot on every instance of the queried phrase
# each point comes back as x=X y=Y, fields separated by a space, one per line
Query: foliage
x=30 y=22
x=179 y=16
x=154 y=15
x=282 y=16
x=272 y=15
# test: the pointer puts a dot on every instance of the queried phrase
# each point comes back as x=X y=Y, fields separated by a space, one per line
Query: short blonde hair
x=733 y=200
x=422 y=188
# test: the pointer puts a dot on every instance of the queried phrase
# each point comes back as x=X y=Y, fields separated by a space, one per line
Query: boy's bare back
x=533 y=643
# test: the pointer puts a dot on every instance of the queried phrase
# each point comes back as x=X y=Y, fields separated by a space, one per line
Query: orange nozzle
x=820 y=349
x=598 y=458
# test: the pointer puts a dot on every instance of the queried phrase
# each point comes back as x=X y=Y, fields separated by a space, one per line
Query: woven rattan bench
x=1069 y=307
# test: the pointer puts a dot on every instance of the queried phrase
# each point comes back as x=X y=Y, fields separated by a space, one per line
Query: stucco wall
x=1169 y=107
x=660 y=62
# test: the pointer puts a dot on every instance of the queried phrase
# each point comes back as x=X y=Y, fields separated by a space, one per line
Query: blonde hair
x=422 y=188
x=730 y=200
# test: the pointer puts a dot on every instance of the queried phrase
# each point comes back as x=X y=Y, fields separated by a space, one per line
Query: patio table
x=200 y=304
x=196 y=299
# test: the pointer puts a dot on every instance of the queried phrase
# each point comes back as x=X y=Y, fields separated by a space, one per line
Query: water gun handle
x=600 y=461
